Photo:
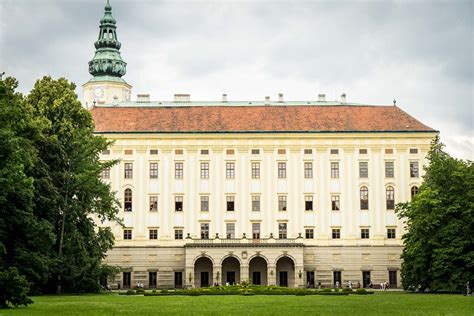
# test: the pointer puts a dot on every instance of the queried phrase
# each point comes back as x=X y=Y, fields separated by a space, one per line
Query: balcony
x=244 y=242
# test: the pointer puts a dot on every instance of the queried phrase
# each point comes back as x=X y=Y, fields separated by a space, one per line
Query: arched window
x=414 y=191
x=390 y=198
x=128 y=200
x=364 y=198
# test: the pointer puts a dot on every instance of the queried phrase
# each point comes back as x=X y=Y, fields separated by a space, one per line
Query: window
x=256 y=203
x=230 y=170
x=230 y=203
x=178 y=203
x=204 y=151
x=204 y=203
x=414 y=171
x=336 y=233
x=363 y=169
x=334 y=151
x=153 y=151
x=334 y=170
x=392 y=278
x=128 y=168
x=335 y=203
x=390 y=198
x=127 y=200
x=255 y=151
x=153 y=203
x=230 y=230
x=105 y=174
x=230 y=151
x=391 y=233
x=308 y=170
x=309 y=233
x=152 y=279
x=282 y=231
x=126 y=279
x=364 y=198
x=389 y=169
x=308 y=203
x=255 y=170
x=281 y=151
x=106 y=152
x=282 y=170
x=256 y=230
x=178 y=152
x=153 y=233
x=364 y=233
x=178 y=234
x=153 y=170
x=127 y=234
x=178 y=279
x=204 y=230
x=413 y=150
x=282 y=202
x=414 y=191
x=178 y=170
x=308 y=151
x=204 y=170
x=388 y=151
x=363 y=151
x=128 y=152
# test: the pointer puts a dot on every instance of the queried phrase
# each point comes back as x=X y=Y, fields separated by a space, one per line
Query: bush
x=326 y=290
x=193 y=293
x=347 y=290
x=361 y=291
x=130 y=292
x=301 y=292
x=13 y=289
x=140 y=291
x=164 y=291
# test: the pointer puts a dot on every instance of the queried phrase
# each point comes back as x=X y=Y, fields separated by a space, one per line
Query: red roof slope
x=207 y=119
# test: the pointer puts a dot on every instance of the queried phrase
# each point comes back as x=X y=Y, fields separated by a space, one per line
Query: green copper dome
x=107 y=60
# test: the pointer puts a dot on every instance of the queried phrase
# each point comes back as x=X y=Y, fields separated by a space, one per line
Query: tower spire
x=107 y=61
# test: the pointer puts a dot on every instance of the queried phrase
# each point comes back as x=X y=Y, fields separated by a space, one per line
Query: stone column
x=216 y=274
x=271 y=275
x=244 y=273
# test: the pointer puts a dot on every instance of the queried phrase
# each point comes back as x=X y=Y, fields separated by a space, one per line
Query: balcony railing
x=244 y=241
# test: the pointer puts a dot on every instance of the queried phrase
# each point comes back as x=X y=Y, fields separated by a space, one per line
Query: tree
x=25 y=239
x=68 y=190
x=439 y=243
x=13 y=289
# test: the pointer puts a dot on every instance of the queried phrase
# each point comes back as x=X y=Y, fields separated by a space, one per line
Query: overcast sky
x=419 y=52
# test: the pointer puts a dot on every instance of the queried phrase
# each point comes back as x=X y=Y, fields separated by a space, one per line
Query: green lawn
x=377 y=304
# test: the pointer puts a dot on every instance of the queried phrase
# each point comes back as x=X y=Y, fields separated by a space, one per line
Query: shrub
x=13 y=288
x=130 y=292
x=361 y=291
x=301 y=292
x=193 y=293
x=326 y=290
x=164 y=291
x=154 y=291
x=347 y=290
x=140 y=291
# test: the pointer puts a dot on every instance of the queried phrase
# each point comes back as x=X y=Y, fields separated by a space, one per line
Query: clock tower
x=107 y=67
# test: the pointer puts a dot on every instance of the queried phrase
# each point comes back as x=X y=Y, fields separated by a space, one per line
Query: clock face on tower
x=99 y=92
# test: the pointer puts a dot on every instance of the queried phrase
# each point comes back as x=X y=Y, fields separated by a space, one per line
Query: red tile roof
x=207 y=119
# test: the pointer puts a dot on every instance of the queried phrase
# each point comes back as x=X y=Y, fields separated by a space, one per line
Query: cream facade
x=322 y=254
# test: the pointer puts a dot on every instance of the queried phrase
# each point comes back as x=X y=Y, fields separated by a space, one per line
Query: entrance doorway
x=204 y=279
x=283 y=278
x=256 y=278
x=365 y=278
x=230 y=277
x=310 y=279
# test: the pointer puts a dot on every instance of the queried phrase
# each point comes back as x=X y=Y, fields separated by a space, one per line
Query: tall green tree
x=25 y=238
x=68 y=190
x=439 y=243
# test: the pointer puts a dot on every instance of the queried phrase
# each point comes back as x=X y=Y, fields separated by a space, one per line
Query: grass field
x=395 y=303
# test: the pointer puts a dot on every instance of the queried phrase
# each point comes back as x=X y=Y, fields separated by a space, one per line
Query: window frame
x=153 y=171
x=308 y=169
x=282 y=170
x=153 y=201
x=390 y=197
x=128 y=170
x=334 y=169
x=364 y=198
x=282 y=231
x=179 y=170
x=230 y=170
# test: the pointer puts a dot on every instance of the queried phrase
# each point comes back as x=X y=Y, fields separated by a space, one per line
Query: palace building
x=280 y=192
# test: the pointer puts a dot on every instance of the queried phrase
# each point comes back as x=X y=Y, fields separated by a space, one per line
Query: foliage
x=13 y=289
x=130 y=292
x=439 y=243
x=361 y=291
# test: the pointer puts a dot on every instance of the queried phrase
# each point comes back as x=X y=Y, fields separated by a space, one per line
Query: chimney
x=321 y=97
x=280 y=97
x=224 y=97
x=142 y=98
x=182 y=98
x=343 y=98
x=267 y=100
